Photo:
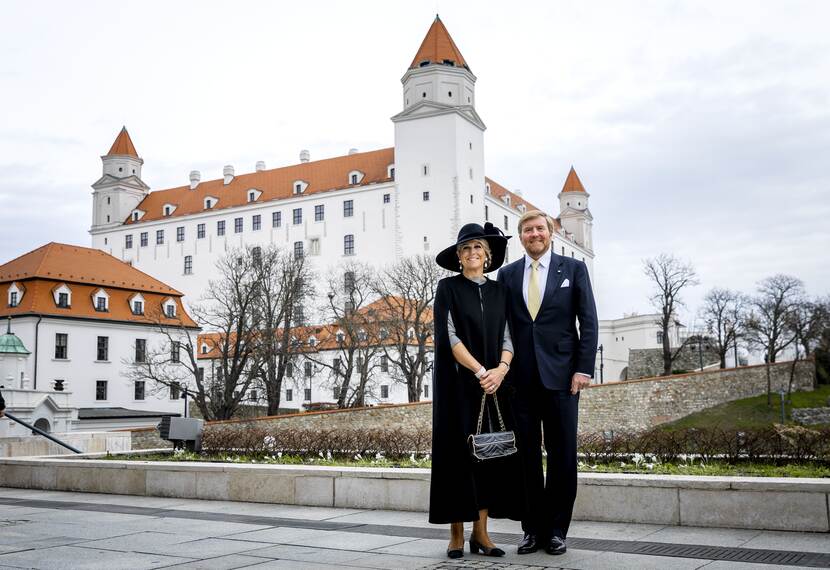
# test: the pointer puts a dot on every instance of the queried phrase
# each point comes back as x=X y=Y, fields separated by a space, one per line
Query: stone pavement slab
x=79 y=558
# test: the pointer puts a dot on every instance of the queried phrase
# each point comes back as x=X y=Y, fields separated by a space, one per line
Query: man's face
x=535 y=237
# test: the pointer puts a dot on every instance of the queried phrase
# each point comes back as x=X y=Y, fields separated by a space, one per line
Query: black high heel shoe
x=475 y=546
x=456 y=552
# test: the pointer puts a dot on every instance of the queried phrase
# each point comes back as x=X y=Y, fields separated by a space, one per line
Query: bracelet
x=480 y=372
x=505 y=363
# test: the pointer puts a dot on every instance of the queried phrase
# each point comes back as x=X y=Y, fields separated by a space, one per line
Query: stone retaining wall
x=811 y=416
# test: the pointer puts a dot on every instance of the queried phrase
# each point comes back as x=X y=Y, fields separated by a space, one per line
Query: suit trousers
x=551 y=497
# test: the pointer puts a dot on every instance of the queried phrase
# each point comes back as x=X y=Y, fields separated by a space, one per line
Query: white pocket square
x=565 y=283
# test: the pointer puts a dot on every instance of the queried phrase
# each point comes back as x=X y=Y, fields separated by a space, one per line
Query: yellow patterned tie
x=533 y=299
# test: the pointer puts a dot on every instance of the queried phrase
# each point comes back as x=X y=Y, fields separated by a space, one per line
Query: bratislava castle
x=376 y=206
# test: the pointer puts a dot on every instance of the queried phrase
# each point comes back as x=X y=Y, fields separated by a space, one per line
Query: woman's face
x=472 y=255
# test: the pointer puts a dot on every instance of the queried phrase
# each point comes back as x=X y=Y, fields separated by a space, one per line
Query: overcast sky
x=700 y=128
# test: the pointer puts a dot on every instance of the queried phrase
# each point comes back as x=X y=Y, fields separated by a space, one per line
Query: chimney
x=305 y=156
x=517 y=192
x=228 y=173
x=195 y=178
x=260 y=165
x=352 y=151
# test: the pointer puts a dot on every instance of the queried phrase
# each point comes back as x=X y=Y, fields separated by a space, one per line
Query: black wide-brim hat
x=495 y=238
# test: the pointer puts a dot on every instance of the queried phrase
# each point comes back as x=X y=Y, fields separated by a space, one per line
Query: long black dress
x=459 y=486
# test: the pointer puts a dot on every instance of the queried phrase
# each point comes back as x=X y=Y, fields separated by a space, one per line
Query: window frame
x=348 y=208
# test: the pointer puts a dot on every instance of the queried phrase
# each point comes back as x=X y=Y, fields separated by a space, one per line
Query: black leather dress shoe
x=556 y=545
x=528 y=544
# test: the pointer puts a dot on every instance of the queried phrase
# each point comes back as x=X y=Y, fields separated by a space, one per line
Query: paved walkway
x=42 y=529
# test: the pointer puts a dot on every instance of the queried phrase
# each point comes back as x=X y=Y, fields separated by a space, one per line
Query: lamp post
x=700 y=350
x=601 y=351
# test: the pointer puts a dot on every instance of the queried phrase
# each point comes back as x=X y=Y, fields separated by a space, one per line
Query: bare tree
x=228 y=310
x=283 y=291
x=406 y=291
x=354 y=338
x=768 y=327
x=807 y=321
x=721 y=312
x=669 y=276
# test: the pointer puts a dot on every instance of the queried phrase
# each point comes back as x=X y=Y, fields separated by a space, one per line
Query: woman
x=472 y=353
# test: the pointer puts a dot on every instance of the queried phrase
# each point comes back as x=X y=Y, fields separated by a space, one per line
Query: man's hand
x=578 y=382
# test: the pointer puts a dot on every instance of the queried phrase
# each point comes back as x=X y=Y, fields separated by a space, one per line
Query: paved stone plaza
x=49 y=529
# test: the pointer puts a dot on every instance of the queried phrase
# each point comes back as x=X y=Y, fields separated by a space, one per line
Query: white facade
x=618 y=336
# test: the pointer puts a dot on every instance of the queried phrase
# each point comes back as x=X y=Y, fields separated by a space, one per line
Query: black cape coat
x=460 y=487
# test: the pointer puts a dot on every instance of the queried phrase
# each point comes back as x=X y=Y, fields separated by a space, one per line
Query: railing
x=43 y=433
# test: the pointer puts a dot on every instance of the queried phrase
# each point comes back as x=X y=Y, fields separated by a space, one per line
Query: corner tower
x=439 y=150
x=120 y=188
x=574 y=214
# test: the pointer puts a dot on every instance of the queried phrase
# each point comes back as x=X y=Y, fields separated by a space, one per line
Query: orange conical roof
x=123 y=145
x=438 y=47
x=573 y=183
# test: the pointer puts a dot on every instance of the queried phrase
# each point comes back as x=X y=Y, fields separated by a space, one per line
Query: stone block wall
x=811 y=416
x=648 y=362
x=148 y=438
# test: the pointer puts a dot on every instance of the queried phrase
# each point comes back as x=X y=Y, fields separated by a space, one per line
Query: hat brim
x=448 y=259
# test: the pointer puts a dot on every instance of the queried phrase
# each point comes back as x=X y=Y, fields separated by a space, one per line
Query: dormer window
x=355 y=177
x=210 y=202
x=170 y=311
x=340 y=336
x=63 y=300
x=253 y=195
x=487 y=188
x=390 y=171
x=506 y=199
x=204 y=348
x=300 y=186
x=138 y=307
x=100 y=301
x=521 y=208
x=62 y=296
x=15 y=294
x=12 y=298
x=312 y=342
x=135 y=216
x=168 y=209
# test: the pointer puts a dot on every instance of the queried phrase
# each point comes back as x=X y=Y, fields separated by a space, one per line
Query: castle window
x=138 y=307
x=256 y=222
x=354 y=179
x=139 y=390
x=289 y=394
x=63 y=300
x=348 y=208
x=175 y=390
x=170 y=307
x=143 y=239
x=251 y=196
x=208 y=204
x=135 y=216
x=319 y=213
x=314 y=246
x=237 y=225
x=506 y=226
x=471 y=198
x=140 y=350
x=108 y=219
x=167 y=210
x=425 y=169
x=298 y=188
x=384 y=391
x=426 y=196
x=100 y=389
x=13 y=299
x=61 y=346
x=384 y=363
x=101 y=304
x=159 y=237
x=307 y=394
x=297 y=216
x=471 y=173
x=180 y=233
x=486 y=213
x=298 y=249
x=659 y=337
x=308 y=369
x=103 y=351
x=128 y=241
x=200 y=231
x=276 y=219
x=392 y=173
x=108 y=200
x=424 y=95
x=348 y=244
x=449 y=94
x=256 y=255
x=220 y=228
x=386 y=198
x=188 y=264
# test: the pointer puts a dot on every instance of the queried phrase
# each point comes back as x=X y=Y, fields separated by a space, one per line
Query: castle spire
x=438 y=48
x=573 y=183
x=123 y=145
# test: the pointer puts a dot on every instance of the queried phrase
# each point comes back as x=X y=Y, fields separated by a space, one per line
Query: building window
x=61 y=345
x=220 y=228
x=237 y=225
x=170 y=308
x=256 y=222
x=319 y=213
x=103 y=348
x=336 y=363
x=175 y=351
x=314 y=246
x=139 y=390
x=335 y=392
x=505 y=223
x=159 y=237
x=128 y=241
x=348 y=208
x=660 y=337
x=297 y=216
x=307 y=394
x=384 y=391
x=486 y=213
x=135 y=216
x=289 y=395
x=101 y=390
x=175 y=390
x=180 y=233
x=289 y=370
x=384 y=363
x=387 y=198
x=63 y=300
x=13 y=299
x=208 y=204
x=308 y=369
x=426 y=196
x=348 y=282
x=101 y=304
x=298 y=188
x=167 y=210
x=392 y=173
x=138 y=307
x=276 y=219
x=425 y=170
x=140 y=350
x=348 y=244
x=354 y=179
x=143 y=239
x=251 y=196
x=426 y=390
x=471 y=198
x=298 y=249
x=200 y=231
x=299 y=315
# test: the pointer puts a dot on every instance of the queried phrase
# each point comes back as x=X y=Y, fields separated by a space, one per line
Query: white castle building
x=376 y=206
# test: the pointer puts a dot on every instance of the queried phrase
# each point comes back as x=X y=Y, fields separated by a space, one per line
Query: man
x=549 y=300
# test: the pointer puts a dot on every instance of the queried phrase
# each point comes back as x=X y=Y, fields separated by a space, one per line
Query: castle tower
x=120 y=188
x=439 y=150
x=574 y=214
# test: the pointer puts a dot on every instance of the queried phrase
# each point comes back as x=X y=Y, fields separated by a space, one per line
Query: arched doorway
x=624 y=374
x=43 y=424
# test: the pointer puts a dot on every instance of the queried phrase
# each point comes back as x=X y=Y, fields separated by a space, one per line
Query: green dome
x=10 y=344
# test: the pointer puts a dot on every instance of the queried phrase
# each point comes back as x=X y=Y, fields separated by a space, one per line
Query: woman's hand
x=492 y=379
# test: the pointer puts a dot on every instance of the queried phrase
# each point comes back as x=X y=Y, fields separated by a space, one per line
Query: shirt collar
x=544 y=261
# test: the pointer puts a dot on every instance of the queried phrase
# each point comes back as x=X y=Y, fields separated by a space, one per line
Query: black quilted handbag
x=484 y=446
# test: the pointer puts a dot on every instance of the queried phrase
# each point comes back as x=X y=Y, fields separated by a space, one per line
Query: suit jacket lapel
x=518 y=283
x=555 y=277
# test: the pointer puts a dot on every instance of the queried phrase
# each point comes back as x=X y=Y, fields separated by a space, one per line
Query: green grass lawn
x=751 y=412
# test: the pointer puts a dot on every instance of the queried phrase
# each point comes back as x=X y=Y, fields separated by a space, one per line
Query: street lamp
x=601 y=351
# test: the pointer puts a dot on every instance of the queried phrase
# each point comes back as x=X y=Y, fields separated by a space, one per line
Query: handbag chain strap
x=481 y=413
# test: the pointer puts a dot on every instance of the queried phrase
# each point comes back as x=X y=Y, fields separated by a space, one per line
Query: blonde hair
x=536 y=214
x=488 y=255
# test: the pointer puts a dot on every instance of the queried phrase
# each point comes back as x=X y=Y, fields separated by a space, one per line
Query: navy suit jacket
x=553 y=342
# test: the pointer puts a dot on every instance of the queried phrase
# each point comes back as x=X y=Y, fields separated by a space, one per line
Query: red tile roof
x=438 y=47
x=573 y=183
x=123 y=145
x=499 y=191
